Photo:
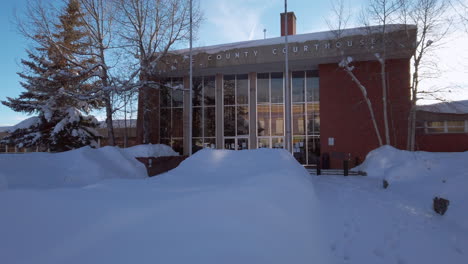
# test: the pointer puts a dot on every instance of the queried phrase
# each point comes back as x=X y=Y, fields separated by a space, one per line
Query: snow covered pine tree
x=59 y=82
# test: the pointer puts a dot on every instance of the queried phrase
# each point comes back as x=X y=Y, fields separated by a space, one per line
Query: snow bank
x=424 y=175
x=143 y=151
x=74 y=168
x=253 y=206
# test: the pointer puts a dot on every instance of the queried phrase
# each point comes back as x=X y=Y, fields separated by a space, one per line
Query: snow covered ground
x=224 y=206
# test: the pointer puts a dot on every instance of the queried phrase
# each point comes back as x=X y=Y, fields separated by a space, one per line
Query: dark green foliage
x=59 y=78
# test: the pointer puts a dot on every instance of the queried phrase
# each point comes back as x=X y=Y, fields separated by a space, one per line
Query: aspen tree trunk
x=384 y=99
x=369 y=104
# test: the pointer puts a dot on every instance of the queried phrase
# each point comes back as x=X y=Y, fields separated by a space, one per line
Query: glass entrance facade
x=171 y=126
x=204 y=113
x=305 y=113
x=270 y=110
x=233 y=104
x=236 y=111
x=306 y=116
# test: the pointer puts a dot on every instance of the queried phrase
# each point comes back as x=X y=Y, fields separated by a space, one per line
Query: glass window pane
x=263 y=120
x=229 y=121
x=313 y=149
x=299 y=149
x=178 y=146
x=197 y=122
x=298 y=119
x=197 y=91
x=229 y=85
x=277 y=120
x=313 y=89
x=456 y=126
x=209 y=90
x=177 y=122
x=435 y=130
x=242 y=120
x=435 y=124
x=229 y=143
x=456 y=123
x=242 y=143
x=165 y=98
x=197 y=144
x=277 y=87
x=263 y=142
x=313 y=119
x=209 y=143
x=165 y=123
x=177 y=92
x=165 y=141
x=263 y=88
x=456 y=129
x=298 y=86
x=435 y=127
x=242 y=89
x=210 y=122
x=277 y=142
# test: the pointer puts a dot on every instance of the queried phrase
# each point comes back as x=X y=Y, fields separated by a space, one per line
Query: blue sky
x=225 y=21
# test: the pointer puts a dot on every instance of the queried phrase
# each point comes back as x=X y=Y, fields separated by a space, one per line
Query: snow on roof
x=455 y=107
x=25 y=124
x=299 y=38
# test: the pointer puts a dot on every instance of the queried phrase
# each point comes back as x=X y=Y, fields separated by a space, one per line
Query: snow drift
x=74 y=168
x=421 y=176
x=253 y=206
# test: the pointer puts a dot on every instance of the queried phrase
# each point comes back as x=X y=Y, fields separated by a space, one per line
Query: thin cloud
x=235 y=20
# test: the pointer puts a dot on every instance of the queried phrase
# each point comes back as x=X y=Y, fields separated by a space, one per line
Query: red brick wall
x=344 y=113
x=442 y=142
x=291 y=24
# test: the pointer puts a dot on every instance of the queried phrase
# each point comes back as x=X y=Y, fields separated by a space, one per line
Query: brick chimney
x=291 y=24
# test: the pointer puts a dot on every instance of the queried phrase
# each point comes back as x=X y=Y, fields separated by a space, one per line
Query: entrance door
x=236 y=143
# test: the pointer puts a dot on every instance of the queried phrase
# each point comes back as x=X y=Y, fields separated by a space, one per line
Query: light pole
x=287 y=97
x=190 y=88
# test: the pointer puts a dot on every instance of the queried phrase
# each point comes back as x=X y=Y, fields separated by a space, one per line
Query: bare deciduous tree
x=151 y=28
x=99 y=18
x=345 y=64
x=339 y=21
x=382 y=13
x=430 y=18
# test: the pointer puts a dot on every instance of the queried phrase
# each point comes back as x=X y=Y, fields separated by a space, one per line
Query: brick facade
x=345 y=115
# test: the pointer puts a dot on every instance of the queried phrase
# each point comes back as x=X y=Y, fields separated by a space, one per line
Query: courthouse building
x=239 y=94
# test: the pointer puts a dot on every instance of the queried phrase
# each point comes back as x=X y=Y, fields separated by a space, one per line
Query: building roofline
x=298 y=38
x=454 y=107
